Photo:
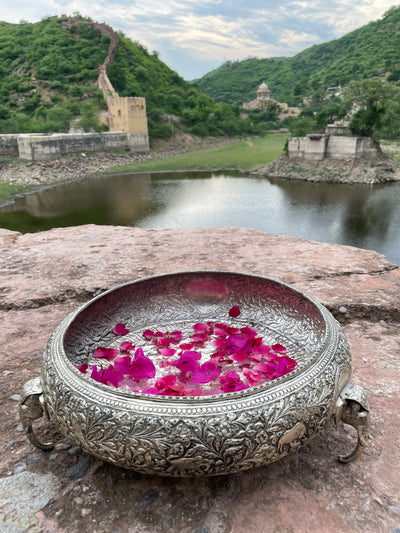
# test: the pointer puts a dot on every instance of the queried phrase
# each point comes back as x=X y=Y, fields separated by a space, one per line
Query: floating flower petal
x=120 y=329
x=278 y=348
x=261 y=349
x=230 y=382
x=234 y=311
x=206 y=373
x=105 y=353
x=167 y=352
x=234 y=359
x=143 y=367
x=176 y=336
x=126 y=346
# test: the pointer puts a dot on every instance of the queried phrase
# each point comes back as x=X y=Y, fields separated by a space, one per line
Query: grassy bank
x=8 y=190
x=247 y=155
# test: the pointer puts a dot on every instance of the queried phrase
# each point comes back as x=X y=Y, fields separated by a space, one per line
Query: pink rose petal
x=143 y=367
x=200 y=326
x=186 y=345
x=234 y=311
x=167 y=352
x=206 y=373
x=261 y=349
x=278 y=348
x=239 y=356
x=126 y=346
x=230 y=382
x=120 y=329
x=148 y=334
x=105 y=353
x=176 y=336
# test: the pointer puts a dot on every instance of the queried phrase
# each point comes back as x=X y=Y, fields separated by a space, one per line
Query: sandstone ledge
x=380 y=170
x=46 y=275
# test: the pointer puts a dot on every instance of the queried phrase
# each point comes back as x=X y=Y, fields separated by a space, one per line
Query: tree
x=4 y=112
x=373 y=104
x=329 y=112
x=301 y=126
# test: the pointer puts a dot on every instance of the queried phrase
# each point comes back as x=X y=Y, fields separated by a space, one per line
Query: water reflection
x=119 y=200
x=359 y=215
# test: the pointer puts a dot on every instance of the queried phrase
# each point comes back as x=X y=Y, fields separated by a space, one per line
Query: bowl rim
x=111 y=393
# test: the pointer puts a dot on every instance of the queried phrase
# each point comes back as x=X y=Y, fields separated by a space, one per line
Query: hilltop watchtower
x=125 y=113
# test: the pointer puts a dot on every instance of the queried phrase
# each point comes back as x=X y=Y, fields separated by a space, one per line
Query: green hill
x=48 y=73
x=373 y=50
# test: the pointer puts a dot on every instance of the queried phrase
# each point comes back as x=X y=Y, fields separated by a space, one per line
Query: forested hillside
x=48 y=73
x=370 y=51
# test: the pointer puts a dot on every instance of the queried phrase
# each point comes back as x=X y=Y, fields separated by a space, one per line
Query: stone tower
x=126 y=113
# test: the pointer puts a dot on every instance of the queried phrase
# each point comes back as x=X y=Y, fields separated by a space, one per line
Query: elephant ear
x=354 y=393
x=32 y=387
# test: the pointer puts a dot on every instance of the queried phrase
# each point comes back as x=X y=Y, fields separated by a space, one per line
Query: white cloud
x=342 y=16
x=361 y=13
x=28 y=10
x=292 y=40
x=217 y=37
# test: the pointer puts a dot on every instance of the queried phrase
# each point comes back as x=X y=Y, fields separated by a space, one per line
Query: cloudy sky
x=194 y=37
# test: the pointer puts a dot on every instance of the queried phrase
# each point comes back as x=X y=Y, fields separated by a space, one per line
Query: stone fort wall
x=40 y=147
x=9 y=144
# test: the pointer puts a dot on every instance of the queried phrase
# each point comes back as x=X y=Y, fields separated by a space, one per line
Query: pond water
x=360 y=215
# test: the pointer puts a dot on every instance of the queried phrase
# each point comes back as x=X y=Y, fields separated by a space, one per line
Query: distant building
x=334 y=91
x=264 y=101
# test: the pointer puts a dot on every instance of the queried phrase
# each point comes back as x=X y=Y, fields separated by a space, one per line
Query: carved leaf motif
x=99 y=428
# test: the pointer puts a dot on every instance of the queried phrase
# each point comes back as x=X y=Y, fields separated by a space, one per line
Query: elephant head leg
x=31 y=408
x=353 y=409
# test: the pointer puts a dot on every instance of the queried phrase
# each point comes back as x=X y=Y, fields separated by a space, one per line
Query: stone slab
x=45 y=276
x=21 y=496
x=8 y=236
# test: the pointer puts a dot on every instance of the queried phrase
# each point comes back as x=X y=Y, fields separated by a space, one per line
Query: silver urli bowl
x=206 y=435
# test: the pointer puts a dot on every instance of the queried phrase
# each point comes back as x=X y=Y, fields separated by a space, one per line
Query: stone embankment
x=45 y=276
x=78 y=166
x=380 y=170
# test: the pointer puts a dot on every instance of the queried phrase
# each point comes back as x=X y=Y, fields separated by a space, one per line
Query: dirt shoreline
x=381 y=170
x=67 y=168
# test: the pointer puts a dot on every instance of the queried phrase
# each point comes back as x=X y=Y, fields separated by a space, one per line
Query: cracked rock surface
x=45 y=276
